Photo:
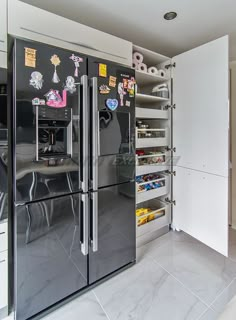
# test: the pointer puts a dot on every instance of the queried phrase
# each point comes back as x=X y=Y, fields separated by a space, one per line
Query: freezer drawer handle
x=2 y=261
x=95 y=222
x=84 y=83
x=84 y=241
x=95 y=134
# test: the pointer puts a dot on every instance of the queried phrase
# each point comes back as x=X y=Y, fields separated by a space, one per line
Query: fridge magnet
x=112 y=104
x=127 y=103
x=104 y=89
x=30 y=57
x=76 y=60
x=131 y=85
x=121 y=92
x=38 y=102
x=36 y=80
x=125 y=83
x=112 y=81
x=70 y=84
x=55 y=100
x=102 y=70
x=55 y=60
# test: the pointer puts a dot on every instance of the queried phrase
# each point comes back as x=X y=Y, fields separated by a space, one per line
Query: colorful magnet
x=55 y=100
x=125 y=83
x=70 y=84
x=55 y=60
x=104 y=89
x=76 y=60
x=102 y=70
x=112 y=104
x=38 y=102
x=36 y=80
x=121 y=92
x=127 y=103
x=112 y=81
x=131 y=85
x=30 y=57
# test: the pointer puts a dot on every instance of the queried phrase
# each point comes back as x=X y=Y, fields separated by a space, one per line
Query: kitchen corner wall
x=233 y=142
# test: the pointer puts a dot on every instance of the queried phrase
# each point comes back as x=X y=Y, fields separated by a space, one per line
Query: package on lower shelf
x=149 y=182
x=149 y=157
x=146 y=215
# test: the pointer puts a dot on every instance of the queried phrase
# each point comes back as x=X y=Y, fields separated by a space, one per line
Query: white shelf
x=152 y=142
x=147 y=113
x=151 y=58
x=144 y=78
x=146 y=98
x=152 y=194
x=151 y=168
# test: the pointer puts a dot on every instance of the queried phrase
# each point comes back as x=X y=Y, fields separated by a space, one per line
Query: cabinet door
x=3 y=279
x=201 y=128
x=3 y=26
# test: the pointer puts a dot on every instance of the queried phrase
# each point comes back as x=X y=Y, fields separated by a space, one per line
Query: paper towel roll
x=142 y=67
x=135 y=64
x=152 y=70
x=138 y=57
x=162 y=73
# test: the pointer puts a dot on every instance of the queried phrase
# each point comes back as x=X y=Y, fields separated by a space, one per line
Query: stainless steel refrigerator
x=72 y=169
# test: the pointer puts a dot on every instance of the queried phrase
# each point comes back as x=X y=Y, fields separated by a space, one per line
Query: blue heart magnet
x=112 y=104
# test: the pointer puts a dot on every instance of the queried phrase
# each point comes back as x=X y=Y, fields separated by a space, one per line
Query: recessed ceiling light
x=170 y=15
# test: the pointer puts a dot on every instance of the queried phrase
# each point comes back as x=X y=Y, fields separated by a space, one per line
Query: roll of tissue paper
x=138 y=57
x=153 y=70
x=142 y=67
x=135 y=64
x=162 y=73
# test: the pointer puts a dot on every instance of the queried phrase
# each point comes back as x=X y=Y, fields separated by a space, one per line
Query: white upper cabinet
x=201 y=118
x=3 y=25
x=201 y=138
x=33 y=23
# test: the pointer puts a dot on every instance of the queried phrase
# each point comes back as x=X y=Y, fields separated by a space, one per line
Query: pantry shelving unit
x=153 y=111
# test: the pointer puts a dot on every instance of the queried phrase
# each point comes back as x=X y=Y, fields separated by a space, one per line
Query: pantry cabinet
x=29 y=22
x=195 y=136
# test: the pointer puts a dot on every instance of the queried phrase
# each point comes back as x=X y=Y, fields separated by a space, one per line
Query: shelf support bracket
x=171 y=65
x=172 y=173
x=170 y=106
x=170 y=201
x=171 y=149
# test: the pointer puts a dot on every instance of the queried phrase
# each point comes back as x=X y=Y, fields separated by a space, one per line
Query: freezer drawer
x=3 y=279
x=49 y=263
x=113 y=236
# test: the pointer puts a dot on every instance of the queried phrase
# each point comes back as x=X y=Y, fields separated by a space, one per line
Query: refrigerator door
x=49 y=108
x=3 y=144
x=50 y=264
x=112 y=124
x=112 y=230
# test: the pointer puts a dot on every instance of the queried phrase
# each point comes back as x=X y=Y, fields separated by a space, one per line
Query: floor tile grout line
x=103 y=309
x=205 y=313
x=189 y=290
x=221 y=293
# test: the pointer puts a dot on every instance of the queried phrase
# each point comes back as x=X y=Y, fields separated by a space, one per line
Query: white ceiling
x=141 y=21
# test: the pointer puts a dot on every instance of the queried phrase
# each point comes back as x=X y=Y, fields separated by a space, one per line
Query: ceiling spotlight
x=170 y=15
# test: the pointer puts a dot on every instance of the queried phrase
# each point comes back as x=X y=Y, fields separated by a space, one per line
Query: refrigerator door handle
x=84 y=227
x=95 y=221
x=95 y=134
x=84 y=124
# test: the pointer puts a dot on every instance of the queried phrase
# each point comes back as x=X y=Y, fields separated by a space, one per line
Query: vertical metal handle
x=94 y=196
x=85 y=142
x=84 y=242
x=95 y=134
x=37 y=134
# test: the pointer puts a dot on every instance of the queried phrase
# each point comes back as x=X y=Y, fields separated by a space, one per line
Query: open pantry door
x=201 y=138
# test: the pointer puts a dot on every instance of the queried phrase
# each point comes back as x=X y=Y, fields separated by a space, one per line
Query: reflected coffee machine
x=54 y=131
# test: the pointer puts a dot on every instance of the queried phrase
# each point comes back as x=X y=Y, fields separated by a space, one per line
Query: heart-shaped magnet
x=112 y=104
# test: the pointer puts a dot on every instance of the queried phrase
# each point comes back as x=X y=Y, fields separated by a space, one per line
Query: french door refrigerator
x=72 y=168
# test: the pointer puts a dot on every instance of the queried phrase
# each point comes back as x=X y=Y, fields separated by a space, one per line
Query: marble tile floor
x=175 y=277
